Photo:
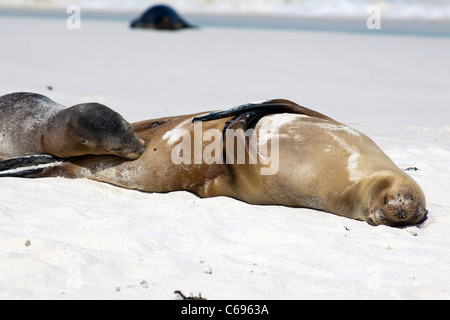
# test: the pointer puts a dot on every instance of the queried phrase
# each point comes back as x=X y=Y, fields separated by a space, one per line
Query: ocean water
x=394 y=9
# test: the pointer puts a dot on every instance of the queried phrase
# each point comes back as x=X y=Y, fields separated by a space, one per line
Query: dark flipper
x=265 y=108
x=243 y=121
x=247 y=115
x=27 y=166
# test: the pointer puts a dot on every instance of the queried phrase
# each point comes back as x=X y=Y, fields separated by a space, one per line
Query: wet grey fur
x=31 y=123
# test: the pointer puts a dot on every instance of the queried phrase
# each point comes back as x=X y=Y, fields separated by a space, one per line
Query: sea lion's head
x=96 y=129
x=397 y=200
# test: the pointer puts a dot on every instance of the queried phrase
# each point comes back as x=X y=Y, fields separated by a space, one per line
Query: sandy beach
x=79 y=239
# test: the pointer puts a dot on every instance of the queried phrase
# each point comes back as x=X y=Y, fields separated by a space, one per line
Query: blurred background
x=406 y=9
x=240 y=53
x=418 y=17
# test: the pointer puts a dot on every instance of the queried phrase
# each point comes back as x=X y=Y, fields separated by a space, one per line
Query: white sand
x=91 y=240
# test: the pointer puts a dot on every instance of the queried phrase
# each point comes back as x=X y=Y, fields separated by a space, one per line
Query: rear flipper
x=28 y=166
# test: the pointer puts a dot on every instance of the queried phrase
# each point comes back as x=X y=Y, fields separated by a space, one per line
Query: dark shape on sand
x=160 y=17
x=183 y=297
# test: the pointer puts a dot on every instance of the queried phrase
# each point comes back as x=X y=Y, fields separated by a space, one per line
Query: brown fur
x=323 y=165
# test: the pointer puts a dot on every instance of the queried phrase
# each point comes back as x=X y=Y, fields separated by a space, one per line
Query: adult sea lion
x=321 y=164
x=33 y=124
x=160 y=17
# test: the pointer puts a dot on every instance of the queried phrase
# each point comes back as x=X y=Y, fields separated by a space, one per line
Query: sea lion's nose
x=142 y=146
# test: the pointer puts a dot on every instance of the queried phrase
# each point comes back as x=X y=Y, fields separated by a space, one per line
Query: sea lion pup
x=33 y=124
x=160 y=17
x=321 y=164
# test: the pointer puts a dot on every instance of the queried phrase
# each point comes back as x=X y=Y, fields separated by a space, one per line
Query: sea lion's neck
x=55 y=139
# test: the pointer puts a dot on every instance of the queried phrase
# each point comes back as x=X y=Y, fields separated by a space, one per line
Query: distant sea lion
x=160 y=17
x=33 y=124
x=322 y=164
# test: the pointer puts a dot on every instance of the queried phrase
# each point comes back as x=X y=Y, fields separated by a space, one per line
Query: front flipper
x=28 y=166
x=243 y=121
x=238 y=127
x=264 y=108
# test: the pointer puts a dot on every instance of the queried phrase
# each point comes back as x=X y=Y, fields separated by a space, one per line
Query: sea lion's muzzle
x=398 y=208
